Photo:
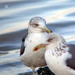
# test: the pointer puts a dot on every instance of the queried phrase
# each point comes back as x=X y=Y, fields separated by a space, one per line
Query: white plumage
x=37 y=33
x=56 y=56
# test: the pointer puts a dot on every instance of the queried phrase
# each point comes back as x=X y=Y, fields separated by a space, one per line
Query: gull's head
x=37 y=24
x=53 y=40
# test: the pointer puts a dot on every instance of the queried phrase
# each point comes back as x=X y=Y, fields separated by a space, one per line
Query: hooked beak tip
x=46 y=30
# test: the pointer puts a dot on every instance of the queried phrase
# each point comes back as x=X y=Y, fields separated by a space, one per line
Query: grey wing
x=71 y=62
x=22 y=49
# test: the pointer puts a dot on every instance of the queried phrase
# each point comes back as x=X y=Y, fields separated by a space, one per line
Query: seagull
x=59 y=56
x=37 y=33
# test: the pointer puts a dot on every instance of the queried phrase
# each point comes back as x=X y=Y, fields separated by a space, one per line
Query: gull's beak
x=45 y=30
x=39 y=46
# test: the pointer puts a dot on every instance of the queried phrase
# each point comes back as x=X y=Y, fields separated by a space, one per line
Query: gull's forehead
x=36 y=20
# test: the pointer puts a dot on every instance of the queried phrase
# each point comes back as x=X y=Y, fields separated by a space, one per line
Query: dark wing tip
x=71 y=62
x=23 y=39
x=22 y=49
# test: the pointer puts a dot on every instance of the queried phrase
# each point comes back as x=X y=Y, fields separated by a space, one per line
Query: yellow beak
x=45 y=30
x=39 y=46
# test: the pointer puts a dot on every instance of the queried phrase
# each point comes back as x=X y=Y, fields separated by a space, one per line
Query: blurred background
x=14 y=18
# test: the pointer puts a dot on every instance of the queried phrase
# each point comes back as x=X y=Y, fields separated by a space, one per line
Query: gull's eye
x=36 y=25
x=49 y=40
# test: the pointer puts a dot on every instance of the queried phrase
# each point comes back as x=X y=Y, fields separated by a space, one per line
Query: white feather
x=55 y=61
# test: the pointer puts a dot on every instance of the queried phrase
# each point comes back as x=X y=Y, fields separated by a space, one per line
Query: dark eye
x=49 y=39
x=36 y=25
